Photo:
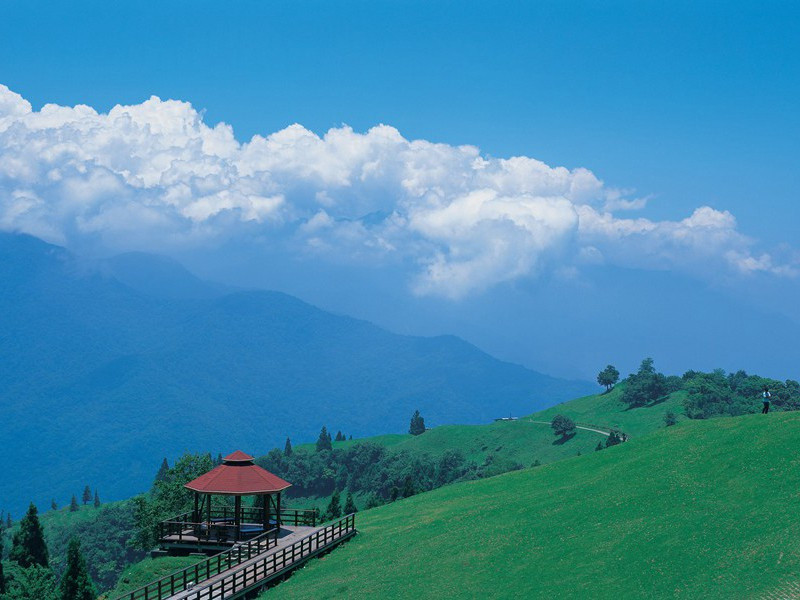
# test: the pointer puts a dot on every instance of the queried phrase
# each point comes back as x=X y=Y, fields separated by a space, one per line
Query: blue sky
x=686 y=105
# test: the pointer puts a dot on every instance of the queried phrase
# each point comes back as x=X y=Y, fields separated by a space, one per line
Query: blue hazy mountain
x=108 y=366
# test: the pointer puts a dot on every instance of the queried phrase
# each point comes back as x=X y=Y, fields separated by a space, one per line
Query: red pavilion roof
x=238 y=475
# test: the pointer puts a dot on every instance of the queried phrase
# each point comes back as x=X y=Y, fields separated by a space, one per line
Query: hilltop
x=108 y=366
x=703 y=509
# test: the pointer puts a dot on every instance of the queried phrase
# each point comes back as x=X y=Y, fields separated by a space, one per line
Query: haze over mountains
x=109 y=366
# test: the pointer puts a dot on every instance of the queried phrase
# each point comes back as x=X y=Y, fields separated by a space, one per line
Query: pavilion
x=210 y=525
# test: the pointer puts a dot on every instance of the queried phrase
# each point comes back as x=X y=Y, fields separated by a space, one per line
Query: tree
x=562 y=425
x=9 y=521
x=32 y=583
x=87 y=495
x=73 y=504
x=339 y=437
x=372 y=501
x=96 y=499
x=608 y=377
x=349 y=505
x=417 y=426
x=28 y=546
x=2 y=575
x=646 y=385
x=76 y=583
x=599 y=446
x=613 y=439
x=167 y=497
x=670 y=419
x=334 y=507
x=287 y=448
x=408 y=488
x=162 y=470
x=53 y=505
x=324 y=440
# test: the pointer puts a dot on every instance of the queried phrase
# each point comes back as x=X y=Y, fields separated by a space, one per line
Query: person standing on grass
x=765 y=397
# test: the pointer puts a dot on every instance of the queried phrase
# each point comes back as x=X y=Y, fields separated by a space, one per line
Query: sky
x=423 y=164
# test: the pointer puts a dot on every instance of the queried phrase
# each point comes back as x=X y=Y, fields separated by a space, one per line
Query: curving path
x=605 y=433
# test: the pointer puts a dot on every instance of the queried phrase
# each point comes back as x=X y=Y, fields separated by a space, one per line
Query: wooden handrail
x=178 y=581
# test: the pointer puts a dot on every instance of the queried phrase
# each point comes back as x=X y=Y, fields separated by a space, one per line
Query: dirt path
x=605 y=433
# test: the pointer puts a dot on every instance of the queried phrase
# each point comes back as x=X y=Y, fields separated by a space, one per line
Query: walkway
x=605 y=433
x=292 y=550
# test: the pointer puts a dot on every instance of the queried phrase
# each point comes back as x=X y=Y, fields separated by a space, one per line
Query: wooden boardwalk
x=258 y=569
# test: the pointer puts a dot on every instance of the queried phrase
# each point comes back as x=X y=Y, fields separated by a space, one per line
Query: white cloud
x=154 y=176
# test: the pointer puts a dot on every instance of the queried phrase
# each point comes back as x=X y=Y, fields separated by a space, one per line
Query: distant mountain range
x=108 y=366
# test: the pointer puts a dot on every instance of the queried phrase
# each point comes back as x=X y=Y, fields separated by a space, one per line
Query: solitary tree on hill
x=28 y=546
x=287 y=448
x=87 y=495
x=334 y=507
x=73 y=504
x=324 y=440
x=53 y=505
x=608 y=377
x=562 y=425
x=417 y=426
x=96 y=499
x=349 y=505
x=613 y=439
x=76 y=583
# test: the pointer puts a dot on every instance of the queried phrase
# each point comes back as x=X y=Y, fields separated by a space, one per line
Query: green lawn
x=705 y=509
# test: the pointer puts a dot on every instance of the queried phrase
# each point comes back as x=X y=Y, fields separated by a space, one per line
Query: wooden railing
x=222 y=525
x=185 y=578
x=261 y=571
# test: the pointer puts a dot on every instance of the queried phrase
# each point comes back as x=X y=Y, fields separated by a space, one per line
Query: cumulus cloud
x=154 y=176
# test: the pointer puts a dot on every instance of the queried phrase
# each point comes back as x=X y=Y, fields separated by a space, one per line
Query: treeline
x=367 y=468
x=28 y=573
x=711 y=394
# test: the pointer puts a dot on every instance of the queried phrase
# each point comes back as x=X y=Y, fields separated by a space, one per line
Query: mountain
x=106 y=369
x=704 y=509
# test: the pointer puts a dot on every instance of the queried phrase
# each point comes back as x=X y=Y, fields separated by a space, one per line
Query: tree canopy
x=562 y=425
x=324 y=440
x=608 y=377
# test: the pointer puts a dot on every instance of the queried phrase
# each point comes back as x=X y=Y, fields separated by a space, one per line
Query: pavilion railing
x=259 y=572
x=185 y=527
x=184 y=579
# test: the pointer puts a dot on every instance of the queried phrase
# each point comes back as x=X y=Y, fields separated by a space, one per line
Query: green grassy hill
x=705 y=509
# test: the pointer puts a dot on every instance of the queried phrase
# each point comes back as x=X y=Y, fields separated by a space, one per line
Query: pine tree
x=349 y=505
x=87 y=495
x=599 y=446
x=162 y=471
x=2 y=575
x=96 y=499
x=334 y=507
x=76 y=583
x=53 y=505
x=73 y=504
x=287 y=448
x=219 y=460
x=417 y=426
x=339 y=436
x=324 y=440
x=28 y=546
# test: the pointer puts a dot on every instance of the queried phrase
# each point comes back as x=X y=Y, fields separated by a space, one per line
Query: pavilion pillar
x=208 y=512
x=265 y=510
x=196 y=515
x=278 y=512
x=238 y=516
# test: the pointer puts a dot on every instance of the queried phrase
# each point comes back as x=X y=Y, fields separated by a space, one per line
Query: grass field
x=705 y=509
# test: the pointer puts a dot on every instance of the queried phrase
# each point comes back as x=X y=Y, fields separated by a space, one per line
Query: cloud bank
x=154 y=176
